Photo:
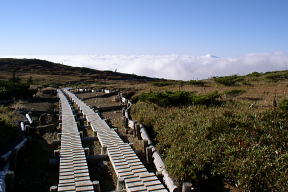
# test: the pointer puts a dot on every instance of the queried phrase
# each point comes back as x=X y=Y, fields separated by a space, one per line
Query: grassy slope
x=182 y=132
x=244 y=141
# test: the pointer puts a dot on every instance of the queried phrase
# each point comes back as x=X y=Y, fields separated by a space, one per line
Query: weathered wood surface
x=73 y=172
x=128 y=168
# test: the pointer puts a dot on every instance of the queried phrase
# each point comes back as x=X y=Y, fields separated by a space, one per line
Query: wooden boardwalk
x=73 y=172
x=127 y=166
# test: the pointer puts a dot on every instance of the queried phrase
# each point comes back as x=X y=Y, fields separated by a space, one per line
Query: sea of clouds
x=180 y=67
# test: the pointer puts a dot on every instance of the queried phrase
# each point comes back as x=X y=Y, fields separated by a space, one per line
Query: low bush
x=255 y=74
x=9 y=130
x=248 y=149
x=277 y=76
x=234 y=92
x=284 y=104
x=196 y=83
x=228 y=80
x=179 y=98
x=11 y=89
x=163 y=83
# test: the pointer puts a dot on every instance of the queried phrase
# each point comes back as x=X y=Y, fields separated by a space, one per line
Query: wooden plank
x=123 y=159
x=73 y=171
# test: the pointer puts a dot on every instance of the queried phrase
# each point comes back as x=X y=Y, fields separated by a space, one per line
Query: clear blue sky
x=197 y=27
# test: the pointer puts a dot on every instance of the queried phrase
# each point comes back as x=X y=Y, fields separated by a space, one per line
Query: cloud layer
x=180 y=67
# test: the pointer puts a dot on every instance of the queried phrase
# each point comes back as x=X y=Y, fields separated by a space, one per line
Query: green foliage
x=255 y=74
x=11 y=89
x=163 y=83
x=284 y=104
x=277 y=76
x=197 y=83
x=245 y=148
x=228 y=80
x=234 y=92
x=179 y=98
x=8 y=129
x=52 y=84
x=8 y=133
x=30 y=80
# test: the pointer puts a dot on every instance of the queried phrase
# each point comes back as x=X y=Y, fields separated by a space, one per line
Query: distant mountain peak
x=210 y=56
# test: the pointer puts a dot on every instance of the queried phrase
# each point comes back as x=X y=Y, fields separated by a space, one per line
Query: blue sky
x=225 y=28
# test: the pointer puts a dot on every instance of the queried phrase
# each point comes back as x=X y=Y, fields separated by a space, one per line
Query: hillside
x=229 y=133
x=41 y=70
x=225 y=132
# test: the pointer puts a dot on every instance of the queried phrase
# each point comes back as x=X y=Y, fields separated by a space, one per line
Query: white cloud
x=183 y=67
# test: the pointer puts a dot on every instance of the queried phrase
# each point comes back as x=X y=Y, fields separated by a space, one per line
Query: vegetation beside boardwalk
x=14 y=89
x=9 y=129
x=178 y=98
x=231 y=129
x=241 y=141
x=246 y=148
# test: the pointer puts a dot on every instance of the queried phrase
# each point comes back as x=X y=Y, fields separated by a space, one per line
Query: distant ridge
x=26 y=67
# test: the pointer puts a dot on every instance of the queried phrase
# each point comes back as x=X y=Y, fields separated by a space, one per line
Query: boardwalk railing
x=131 y=173
x=9 y=159
x=142 y=133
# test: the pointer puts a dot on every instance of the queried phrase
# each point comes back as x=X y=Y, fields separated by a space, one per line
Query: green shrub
x=11 y=89
x=8 y=133
x=163 y=83
x=245 y=148
x=9 y=130
x=234 y=92
x=277 y=76
x=196 y=83
x=179 y=98
x=228 y=80
x=255 y=74
x=284 y=104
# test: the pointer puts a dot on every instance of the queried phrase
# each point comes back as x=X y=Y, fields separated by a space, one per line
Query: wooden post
x=9 y=180
x=103 y=150
x=149 y=158
x=123 y=112
x=96 y=186
x=186 y=187
x=145 y=144
x=87 y=151
x=138 y=133
x=59 y=136
x=125 y=122
x=115 y=129
x=78 y=125
x=120 y=184
x=159 y=174
x=56 y=153
x=95 y=133
x=135 y=130
x=81 y=134
x=53 y=189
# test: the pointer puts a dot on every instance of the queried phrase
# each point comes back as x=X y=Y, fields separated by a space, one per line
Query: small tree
x=30 y=80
